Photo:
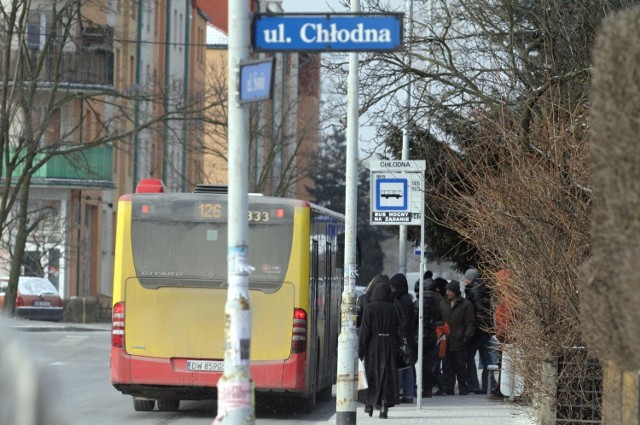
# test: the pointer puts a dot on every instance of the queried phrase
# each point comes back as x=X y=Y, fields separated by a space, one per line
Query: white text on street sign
x=328 y=32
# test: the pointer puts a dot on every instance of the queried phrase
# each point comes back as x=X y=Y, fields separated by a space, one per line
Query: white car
x=37 y=298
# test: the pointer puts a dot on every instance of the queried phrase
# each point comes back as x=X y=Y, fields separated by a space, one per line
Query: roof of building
x=215 y=36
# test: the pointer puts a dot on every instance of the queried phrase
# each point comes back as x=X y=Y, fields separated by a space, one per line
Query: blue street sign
x=256 y=80
x=324 y=32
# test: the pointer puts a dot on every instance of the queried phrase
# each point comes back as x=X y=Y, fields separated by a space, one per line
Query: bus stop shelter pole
x=235 y=387
x=347 y=378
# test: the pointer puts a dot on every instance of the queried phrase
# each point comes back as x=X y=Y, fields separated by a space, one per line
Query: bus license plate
x=205 y=365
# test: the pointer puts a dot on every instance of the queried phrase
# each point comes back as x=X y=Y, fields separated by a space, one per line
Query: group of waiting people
x=388 y=319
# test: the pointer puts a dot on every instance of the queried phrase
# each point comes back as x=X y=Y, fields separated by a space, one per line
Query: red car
x=37 y=298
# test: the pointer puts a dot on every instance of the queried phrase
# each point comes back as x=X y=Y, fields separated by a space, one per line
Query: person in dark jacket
x=364 y=298
x=478 y=293
x=441 y=288
x=440 y=292
x=458 y=313
x=377 y=345
x=407 y=335
x=430 y=317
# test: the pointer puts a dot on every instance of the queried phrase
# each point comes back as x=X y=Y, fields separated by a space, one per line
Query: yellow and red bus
x=170 y=289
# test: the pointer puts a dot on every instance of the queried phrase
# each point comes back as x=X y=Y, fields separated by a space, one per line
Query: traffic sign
x=256 y=80
x=338 y=32
x=397 y=192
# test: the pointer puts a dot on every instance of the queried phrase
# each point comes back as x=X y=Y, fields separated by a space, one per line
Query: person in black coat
x=407 y=335
x=377 y=345
x=430 y=317
x=478 y=293
x=364 y=298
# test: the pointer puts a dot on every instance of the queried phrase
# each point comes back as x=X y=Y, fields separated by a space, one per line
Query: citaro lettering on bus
x=148 y=273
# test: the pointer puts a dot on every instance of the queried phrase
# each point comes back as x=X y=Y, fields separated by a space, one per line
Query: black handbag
x=406 y=355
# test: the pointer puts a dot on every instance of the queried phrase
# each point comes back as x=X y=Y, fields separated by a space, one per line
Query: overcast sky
x=311 y=6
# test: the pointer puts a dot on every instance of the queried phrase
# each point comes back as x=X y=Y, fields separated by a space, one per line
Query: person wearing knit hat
x=458 y=313
x=454 y=286
x=471 y=275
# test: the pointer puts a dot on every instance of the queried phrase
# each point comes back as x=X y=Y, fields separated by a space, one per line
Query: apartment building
x=121 y=79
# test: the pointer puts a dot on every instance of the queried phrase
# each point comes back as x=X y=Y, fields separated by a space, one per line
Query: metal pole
x=235 y=388
x=420 y=370
x=402 y=237
x=346 y=387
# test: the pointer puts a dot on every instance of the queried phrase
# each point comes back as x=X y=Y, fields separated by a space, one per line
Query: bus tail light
x=299 y=336
x=117 y=325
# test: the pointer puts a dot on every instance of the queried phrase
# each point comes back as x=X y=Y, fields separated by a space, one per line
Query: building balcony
x=92 y=167
x=88 y=64
x=84 y=68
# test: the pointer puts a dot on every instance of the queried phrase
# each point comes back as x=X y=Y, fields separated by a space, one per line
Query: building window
x=52 y=134
x=33 y=31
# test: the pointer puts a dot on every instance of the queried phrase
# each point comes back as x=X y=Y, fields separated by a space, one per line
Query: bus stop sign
x=397 y=192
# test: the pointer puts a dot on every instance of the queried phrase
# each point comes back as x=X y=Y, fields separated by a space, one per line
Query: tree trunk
x=20 y=244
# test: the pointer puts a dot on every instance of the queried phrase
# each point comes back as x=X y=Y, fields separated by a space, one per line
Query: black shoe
x=441 y=392
x=427 y=394
x=384 y=410
x=368 y=409
x=406 y=400
x=464 y=392
x=480 y=391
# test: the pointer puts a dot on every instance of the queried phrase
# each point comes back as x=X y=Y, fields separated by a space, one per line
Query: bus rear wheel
x=308 y=403
x=143 y=404
x=325 y=394
x=168 y=404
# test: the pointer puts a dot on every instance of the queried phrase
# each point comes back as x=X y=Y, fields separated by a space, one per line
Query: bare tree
x=282 y=139
x=500 y=88
x=58 y=100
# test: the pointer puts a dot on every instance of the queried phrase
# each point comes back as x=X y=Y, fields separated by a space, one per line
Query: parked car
x=37 y=298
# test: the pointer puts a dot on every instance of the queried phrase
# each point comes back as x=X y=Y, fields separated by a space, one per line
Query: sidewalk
x=44 y=326
x=452 y=410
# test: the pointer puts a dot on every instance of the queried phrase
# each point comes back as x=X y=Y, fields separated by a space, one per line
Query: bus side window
x=340 y=252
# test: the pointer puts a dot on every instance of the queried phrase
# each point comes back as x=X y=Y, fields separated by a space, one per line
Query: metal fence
x=579 y=393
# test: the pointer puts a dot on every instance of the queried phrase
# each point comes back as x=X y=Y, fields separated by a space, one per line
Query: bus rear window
x=180 y=248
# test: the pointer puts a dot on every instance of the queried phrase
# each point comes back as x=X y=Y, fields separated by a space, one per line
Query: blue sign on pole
x=392 y=194
x=324 y=32
x=256 y=80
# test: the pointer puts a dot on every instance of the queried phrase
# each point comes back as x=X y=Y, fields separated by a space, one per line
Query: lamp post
x=346 y=388
x=402 y=236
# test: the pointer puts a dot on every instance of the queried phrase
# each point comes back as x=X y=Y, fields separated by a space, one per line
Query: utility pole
x=235 y=387
x=402 y=234
x=346 y=388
